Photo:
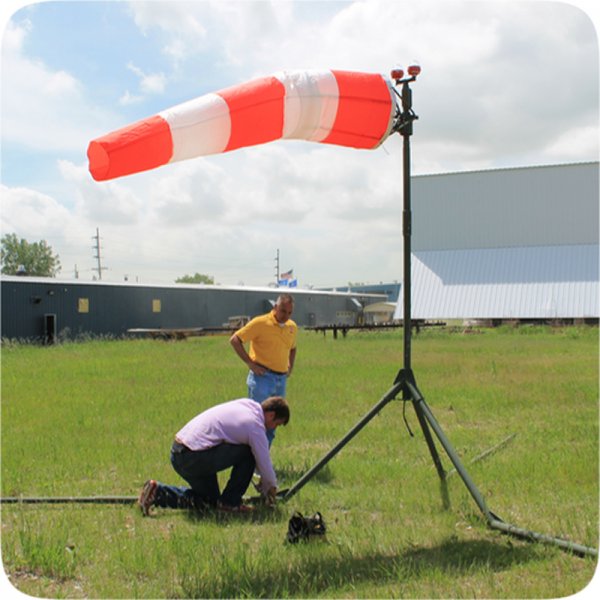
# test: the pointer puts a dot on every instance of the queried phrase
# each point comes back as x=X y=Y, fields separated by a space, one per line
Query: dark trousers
x=200 y=468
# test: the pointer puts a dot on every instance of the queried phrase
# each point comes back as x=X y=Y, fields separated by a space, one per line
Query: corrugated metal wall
x=100 y=308
x=532 y=206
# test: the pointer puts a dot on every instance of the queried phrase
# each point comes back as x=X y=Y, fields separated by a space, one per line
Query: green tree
x=196 y=278
x=33 y=259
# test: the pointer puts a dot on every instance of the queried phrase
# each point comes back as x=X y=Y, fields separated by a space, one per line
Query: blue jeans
x=200 y=468
x=261 y=387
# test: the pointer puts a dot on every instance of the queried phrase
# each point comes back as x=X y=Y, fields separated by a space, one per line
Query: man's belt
x=271 y=370
x=178 y=447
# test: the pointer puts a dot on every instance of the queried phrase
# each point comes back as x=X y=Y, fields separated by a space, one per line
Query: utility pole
x=96 y=247
x=277 y=268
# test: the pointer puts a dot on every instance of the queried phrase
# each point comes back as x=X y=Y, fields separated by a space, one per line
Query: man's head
x=276 y=411
x=284 y=307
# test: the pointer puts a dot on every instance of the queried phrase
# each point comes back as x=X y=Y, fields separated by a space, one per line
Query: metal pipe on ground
x=69 y=500
x=532 y=536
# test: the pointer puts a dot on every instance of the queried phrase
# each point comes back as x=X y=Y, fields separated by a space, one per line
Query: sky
x=503 y=84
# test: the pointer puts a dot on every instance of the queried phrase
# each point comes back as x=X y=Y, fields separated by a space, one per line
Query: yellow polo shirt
x=270 y=341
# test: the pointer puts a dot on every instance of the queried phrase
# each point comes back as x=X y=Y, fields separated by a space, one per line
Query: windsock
x=331 y=107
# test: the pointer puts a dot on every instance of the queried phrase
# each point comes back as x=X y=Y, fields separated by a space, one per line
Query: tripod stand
x=405 y=382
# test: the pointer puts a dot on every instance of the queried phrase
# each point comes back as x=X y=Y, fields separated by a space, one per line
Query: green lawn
x=97 y=418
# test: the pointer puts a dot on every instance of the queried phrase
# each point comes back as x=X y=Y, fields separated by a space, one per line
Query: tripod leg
x=411 y=392
x=434 y=454
x=475 y=493
x=429 y=439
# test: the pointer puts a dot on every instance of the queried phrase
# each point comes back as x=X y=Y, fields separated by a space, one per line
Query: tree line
x=20 y=257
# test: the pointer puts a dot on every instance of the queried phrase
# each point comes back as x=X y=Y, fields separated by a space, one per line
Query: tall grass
x=97 y=418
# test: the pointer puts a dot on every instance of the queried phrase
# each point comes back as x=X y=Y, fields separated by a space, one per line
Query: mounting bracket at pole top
x=404 y=117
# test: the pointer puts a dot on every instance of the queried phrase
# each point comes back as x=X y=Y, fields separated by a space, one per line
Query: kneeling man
x=233 y=435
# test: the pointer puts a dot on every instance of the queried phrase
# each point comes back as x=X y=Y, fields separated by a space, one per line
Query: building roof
x=193 y=286
x=543 y=282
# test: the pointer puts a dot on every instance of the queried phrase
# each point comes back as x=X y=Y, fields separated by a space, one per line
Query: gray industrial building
x=506 y=244
x=44 y=309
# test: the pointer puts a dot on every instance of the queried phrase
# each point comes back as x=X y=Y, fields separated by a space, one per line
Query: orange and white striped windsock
x=331 y=107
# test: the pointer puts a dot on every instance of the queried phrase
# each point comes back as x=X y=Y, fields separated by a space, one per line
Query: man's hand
x=271 y=496
x=238 y=346
x=256 y=368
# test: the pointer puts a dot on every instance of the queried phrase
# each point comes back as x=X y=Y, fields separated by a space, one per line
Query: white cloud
x=43 y=109
x=31 y=214
x=179 y=18
x=115 y=203
x=574 y=144
x=14 y=35
x=127 y=99
x=150 y=83
x=35 y=216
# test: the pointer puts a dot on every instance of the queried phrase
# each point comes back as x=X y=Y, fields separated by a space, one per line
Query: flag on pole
x=287 y=275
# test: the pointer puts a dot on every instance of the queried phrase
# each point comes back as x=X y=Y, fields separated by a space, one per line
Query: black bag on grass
x=301 y=527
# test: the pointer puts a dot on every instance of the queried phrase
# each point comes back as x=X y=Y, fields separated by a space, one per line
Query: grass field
x=97 y=418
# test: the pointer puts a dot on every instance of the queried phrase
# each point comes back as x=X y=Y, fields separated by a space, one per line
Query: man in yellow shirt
x=272 y=339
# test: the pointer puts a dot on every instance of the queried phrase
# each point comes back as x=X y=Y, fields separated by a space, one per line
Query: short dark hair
x=279 y=406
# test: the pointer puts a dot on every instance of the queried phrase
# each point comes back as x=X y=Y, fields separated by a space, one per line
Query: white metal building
x=519 y=243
